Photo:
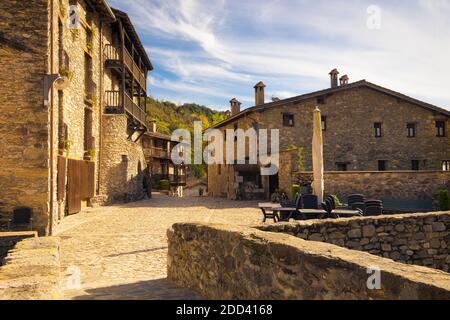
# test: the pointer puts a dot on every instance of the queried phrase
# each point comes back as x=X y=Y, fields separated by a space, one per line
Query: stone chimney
x=334 y=78
x=259 y=93
x=153 y=126
x=344 y=80
x=235 y=106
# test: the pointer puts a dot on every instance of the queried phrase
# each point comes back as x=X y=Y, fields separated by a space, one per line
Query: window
x=446 y=165
x=342 y=166
x=411 y=130
x=381 y=165
x=88 y=138
x=321 y=100
x=235 y=127
x=324 y=123
x=440 y=126
x=378 y=131
x=89 y=86
x=288 y=120
x=415 y=165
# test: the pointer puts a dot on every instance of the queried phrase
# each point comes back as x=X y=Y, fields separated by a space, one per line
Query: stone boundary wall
x=230 y=262
x=32 y=271
x=373 y=184
x=9 y=239
x=420 y=239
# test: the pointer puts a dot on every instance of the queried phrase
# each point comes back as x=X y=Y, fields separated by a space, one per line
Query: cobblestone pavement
x=120 y=251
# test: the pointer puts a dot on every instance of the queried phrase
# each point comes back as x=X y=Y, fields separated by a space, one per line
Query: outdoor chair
x=373 y=202
x=326 y=205
x=373 y=208
x=310 y=201
x=334 y=212
x=355 y=198
x=357 y=206
x=285 y=202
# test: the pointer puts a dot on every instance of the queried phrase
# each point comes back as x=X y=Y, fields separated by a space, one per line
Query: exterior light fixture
x=49 y=81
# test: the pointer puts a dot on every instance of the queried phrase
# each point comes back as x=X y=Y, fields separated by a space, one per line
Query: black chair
x=358 y=206
x=355 y=198
x=328 y=207
x=21 y=217
x=334 y=212
x=310 y=201
x=373 y=203
x=373 y=208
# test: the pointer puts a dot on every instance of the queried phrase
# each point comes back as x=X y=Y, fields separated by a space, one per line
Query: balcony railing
x=114 y=104
x=160 y=153
x=112 y=53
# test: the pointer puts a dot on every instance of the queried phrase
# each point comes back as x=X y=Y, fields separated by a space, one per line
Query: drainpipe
x=50 y=228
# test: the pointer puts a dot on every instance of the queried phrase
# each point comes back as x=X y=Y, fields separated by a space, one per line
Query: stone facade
x=32 y=271
x=420 y=239
x=350 y=112
x=373 y=184
x=123 y=162
x=225 y=262
x=24 y=135
x=70 y=126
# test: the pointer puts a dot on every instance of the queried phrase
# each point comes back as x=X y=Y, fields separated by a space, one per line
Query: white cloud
x=227 y=46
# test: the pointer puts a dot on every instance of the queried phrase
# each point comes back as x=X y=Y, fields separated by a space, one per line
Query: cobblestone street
x=120 y=251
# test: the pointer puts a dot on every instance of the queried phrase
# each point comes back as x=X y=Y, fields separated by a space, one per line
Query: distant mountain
x=170 y=117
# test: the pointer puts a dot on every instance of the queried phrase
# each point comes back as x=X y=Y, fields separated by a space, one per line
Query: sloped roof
x=132 y=33
x=103 y=8
x=161 y=136
x=358 y=84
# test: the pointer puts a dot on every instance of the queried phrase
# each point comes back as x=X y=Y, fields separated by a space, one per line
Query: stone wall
x=23 y=118
x=9 y=239
x=420 y=239
x=373 y=184
x=230 y=262
x=123 y=162
x=32 y=271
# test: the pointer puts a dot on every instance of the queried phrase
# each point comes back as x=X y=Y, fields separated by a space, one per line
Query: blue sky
x=209 y=51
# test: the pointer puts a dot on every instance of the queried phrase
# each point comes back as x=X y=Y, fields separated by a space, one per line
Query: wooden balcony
x=116 y=103
x=114 y=59
x=160 y=153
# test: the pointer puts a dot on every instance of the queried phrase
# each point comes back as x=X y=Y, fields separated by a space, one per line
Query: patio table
x=267 y=210
x=283 y=212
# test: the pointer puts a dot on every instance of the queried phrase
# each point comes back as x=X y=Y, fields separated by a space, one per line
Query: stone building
x=158 y=150
x=366 y=128
x=79 y=145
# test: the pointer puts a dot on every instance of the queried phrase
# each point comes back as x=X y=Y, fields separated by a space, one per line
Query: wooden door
x=80 y=183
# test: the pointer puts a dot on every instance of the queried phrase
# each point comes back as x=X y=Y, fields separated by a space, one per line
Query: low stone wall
x=9 y=239
x=421 y=185
x=420 y=239
x=31 y=271
x=229 y=262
